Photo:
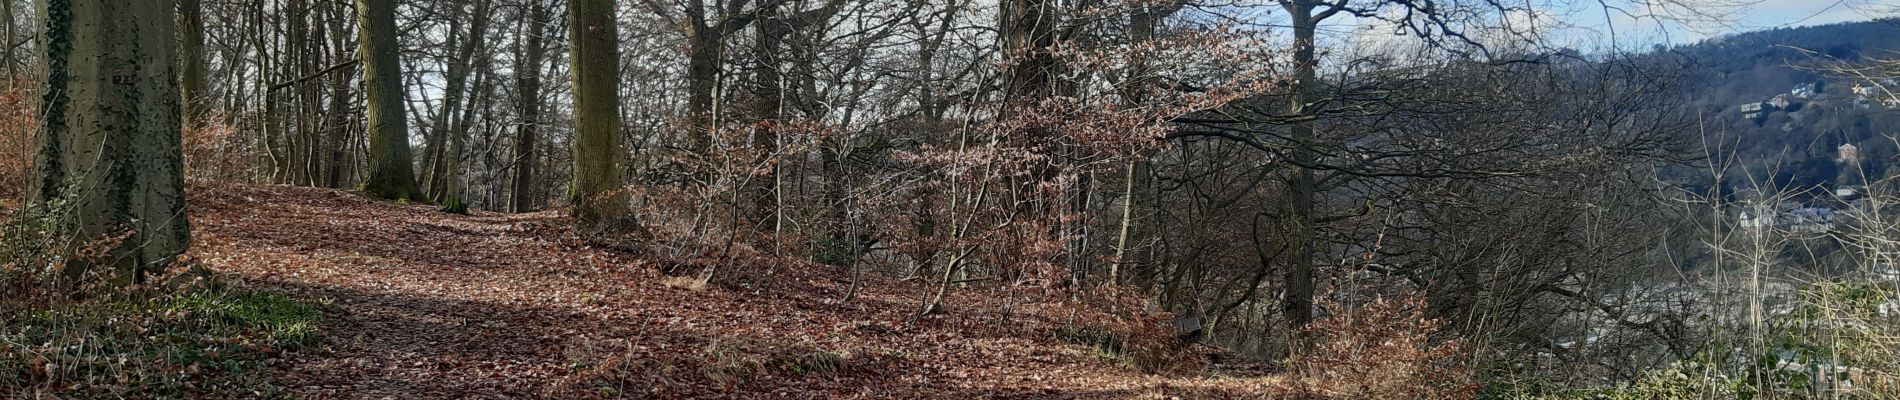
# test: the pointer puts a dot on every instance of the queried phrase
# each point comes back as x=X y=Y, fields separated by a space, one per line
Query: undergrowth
x=201 y=343
x=65 y=335
x=1124 y=330
x=1378 y=343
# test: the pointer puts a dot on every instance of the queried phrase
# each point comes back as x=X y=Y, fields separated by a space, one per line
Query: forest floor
x=423 y=304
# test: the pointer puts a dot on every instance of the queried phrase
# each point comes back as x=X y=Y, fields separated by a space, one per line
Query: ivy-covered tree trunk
x=391 y=174
x=109 y=140
x=597 y=197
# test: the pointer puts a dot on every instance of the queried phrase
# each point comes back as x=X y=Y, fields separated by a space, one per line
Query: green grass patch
x=203 y=343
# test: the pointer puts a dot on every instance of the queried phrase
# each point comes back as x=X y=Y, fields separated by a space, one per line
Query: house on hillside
x=1847 y=154
x=1751 y=110
x=1780 y=102
x=1803 y=91
x=1751 y=220
x=1810 y=220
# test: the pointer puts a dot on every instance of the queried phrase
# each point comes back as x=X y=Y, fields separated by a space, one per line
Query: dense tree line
x=1233 y=162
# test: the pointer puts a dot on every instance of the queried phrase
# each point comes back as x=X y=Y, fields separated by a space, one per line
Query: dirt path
x=422 y=304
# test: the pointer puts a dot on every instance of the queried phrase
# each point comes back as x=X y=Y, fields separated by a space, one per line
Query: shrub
x=1682 y=380
x=1120 y=326
x=1380 y=348
x=33 y=246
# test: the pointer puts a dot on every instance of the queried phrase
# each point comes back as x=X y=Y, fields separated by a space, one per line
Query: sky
x=1586 y=25
x=1768 y=14
x=1741 y=16
x=1773 y=13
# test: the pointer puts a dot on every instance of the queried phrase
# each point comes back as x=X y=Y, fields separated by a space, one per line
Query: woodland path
x=421 y=304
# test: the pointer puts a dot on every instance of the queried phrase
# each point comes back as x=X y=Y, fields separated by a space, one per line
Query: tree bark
x=596 y=196
x=391 y=174
x=109 y=139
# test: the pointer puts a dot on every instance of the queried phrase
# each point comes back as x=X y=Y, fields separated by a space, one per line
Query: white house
x=1847 y=153
x=1803 y=91
x=1755 y=220
x=1752 y=110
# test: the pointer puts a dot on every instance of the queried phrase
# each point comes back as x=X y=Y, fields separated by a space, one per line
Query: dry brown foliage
x=216 y=150
x=18 y=106
x=1377 y=343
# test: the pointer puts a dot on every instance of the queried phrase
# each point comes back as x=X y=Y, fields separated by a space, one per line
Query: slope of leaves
x=432 y=305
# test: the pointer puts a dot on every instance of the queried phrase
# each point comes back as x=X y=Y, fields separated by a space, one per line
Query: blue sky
x=1773 y=13
x=1769 y=14
x=1588 y=26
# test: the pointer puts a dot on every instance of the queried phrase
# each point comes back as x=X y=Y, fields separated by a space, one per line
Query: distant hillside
x=1795 y=142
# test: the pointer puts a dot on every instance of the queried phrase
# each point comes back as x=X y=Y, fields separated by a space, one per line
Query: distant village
x=1812 y=214
x=1859 y=96
x=1825 y=211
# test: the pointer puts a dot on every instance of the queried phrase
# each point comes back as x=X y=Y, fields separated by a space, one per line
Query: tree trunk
x=458 y=138
x=1028 y=32
x=1298 y=301
x=706 y=47
x=296 y=49
x=340 y=101
x=526 y=193
x=6 y=39
x=1142 y=26
x=768 y=107
x=450 y=127
x=1127 y=222
x=266 y=72
x=191 y=25
x=596 y=196
x=436 y=133
x=109 y=139
x=391 y=175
